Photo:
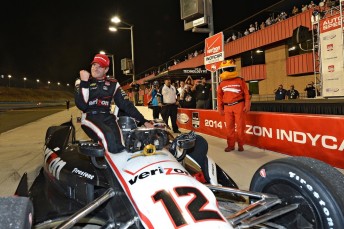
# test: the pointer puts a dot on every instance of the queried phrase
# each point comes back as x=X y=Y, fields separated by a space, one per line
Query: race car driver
x=233 y=101
x=93 y=96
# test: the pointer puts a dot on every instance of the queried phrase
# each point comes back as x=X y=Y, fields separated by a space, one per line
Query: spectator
x=256 y=26
x=202 y=89
x=262 y=25
x=251 y=29
x=295 y=11
x=176 y=84
x=292 y=93
x=168 y=98
x=181 y=92
x=189 y=81
x=268 y=21
x=310 y=89
x=283 y=15
x=135 y=88
x=280 y=93
x=311 y=5
x=246 y=32
x=154 y=101
x=233 y=37
x=189 y=98
x=181 y=87
x=304 y=8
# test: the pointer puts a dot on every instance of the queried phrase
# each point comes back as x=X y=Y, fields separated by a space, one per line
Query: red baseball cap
x=102 y=60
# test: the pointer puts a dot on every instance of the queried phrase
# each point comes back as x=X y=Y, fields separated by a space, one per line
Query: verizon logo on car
x=158 y=171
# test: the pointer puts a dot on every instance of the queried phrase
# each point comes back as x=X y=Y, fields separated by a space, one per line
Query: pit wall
x=316 y=136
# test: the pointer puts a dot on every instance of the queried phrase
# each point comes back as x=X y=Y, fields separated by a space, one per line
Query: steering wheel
x=140 y=137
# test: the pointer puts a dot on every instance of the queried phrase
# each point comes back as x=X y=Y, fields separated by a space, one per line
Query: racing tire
x=314 y=185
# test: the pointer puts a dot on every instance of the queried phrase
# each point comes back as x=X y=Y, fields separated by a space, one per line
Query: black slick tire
x=314 y=185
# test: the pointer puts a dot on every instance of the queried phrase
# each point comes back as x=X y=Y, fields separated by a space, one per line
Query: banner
x=315 y=136
x=332 y=71
x=214 y=52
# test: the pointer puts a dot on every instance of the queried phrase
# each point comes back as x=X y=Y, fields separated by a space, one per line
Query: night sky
x=54 y=40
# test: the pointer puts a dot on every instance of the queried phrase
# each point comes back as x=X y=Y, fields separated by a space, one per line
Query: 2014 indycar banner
x=316 y=136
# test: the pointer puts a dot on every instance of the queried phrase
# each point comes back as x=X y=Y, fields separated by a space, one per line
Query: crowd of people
x=323 y=5
x=292 y=93
x=272 y=19
x=192 y=93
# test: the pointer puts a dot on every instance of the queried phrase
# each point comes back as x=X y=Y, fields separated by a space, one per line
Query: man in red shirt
x=233 y=101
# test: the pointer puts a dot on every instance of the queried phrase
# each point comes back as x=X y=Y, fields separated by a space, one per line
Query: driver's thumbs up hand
x=84 y=75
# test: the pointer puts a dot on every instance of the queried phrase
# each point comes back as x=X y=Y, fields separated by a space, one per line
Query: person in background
x=246 y=32
x=202 y=89
x=135 y=87
x=168 y=98
x=292 y=93
x=233 y=101
x=93 y=96
x=67 y=104
x=189 y=81
x=295 y=11
x=251 y=29
x=155 y=103
x=181 y=91
x=310 y=89
x=280 y=93
x=189 y=97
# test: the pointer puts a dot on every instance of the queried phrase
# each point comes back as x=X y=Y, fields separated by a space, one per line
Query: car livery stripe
x=133 y=173
x=127 y=190
x=96 y=129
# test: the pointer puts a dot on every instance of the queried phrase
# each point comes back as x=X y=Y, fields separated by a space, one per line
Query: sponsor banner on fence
x=315 y=136
x=332 y=57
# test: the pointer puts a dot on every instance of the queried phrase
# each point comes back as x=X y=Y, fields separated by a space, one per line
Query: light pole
x=9 y=80
x=24 y=81
x=37 y=80
x=113 y=61
x=131 y=28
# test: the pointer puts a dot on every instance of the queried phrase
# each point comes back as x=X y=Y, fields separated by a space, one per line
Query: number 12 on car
x=195 y=207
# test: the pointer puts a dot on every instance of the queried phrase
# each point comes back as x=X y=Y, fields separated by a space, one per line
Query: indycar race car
x=164 y=182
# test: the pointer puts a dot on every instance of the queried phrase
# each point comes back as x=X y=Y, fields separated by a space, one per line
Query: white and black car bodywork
x=146 y=186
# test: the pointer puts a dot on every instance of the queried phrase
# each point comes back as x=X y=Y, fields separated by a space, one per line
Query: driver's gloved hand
x=181 y=144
